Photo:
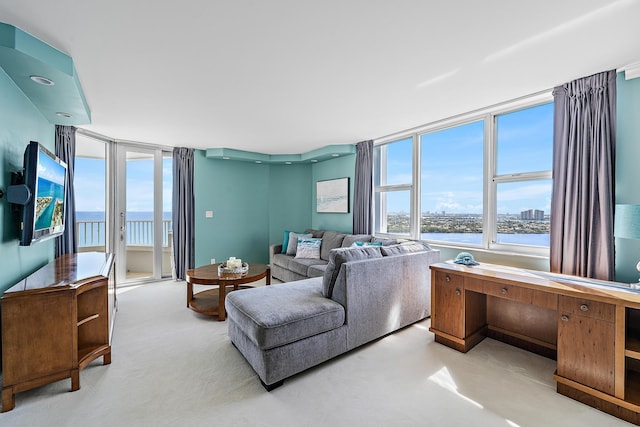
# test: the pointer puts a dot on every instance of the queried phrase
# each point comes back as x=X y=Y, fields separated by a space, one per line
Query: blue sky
x=50 y=170
x=90 y=185
x=452 y=165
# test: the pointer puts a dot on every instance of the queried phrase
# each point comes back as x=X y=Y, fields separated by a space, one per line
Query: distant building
x=532 y=214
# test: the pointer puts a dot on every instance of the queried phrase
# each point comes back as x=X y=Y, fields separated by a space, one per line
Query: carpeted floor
x=173 y=367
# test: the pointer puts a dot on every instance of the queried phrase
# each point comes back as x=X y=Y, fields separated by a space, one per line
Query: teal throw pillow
x=364 y=244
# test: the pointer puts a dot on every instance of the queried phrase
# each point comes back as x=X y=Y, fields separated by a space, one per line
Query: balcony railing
x=139 y=232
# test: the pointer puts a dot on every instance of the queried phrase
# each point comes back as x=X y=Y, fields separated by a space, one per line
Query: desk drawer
x=514 y=293
x=449 y=279
x=587 y=308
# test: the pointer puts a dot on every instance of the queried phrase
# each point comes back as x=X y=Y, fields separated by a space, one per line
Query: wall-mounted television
x=41 y=194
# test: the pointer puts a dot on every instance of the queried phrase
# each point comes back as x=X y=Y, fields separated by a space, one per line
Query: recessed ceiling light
x=335 y=155
x=42 y=80
x=314 y=161
x=226 y=158
x=258 y=161
x=63 y=114
x=287 y=163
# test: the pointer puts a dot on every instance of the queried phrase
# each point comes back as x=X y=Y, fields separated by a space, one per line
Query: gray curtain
x=66 y=151
x=583 y=198
x=362 y=189
x=183 y=212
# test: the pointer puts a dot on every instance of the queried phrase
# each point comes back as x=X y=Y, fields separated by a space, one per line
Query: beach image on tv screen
x=50 y=193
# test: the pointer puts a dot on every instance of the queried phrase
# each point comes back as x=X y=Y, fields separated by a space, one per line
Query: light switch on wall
x=208 y=214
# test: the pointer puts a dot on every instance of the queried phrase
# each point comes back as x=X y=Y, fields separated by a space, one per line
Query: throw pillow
x=361 y=244
x=405 y=248
x=330 y=240
x=338 y=257
x=293 y=242
x=308 y=248
x=350 y=238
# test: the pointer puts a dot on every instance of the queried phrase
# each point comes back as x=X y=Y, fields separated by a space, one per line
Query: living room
x=252 y=203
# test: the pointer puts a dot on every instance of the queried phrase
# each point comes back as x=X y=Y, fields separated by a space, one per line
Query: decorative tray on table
x=227 y=270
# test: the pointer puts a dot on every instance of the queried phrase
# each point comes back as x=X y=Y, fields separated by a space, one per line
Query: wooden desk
x=55 y=322
x=591 y=327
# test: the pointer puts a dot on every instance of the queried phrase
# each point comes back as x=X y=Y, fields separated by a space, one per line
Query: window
x=451 y=167
x=482 y=180
x=393 y=178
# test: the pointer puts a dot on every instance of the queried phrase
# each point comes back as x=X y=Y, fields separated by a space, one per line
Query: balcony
x=139 y=250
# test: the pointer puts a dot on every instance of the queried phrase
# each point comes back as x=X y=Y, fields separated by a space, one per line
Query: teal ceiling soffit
x=319 y=155
x=23 y=56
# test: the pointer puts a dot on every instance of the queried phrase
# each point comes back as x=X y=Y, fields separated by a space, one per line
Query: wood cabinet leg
x=75 y=379
x=106 y=359
x=8 y=399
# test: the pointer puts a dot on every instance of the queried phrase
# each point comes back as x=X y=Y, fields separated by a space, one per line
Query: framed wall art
x=332 y=196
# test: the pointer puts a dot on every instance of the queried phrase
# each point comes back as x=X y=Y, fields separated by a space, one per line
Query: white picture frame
x=332 y=196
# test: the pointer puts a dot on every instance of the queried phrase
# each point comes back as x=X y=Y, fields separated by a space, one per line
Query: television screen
x=50 y=184
x=45 y=176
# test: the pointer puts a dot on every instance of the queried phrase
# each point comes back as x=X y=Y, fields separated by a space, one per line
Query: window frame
x=491 y=179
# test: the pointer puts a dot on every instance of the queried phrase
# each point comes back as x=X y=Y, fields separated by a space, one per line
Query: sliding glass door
x=143 y=213
x=123 y=205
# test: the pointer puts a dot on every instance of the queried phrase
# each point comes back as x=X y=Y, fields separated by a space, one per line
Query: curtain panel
x=65 y=149
x=583 y=197
x=183 y=212
x=362 y=189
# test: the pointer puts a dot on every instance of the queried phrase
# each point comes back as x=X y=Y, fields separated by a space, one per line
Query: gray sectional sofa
x=363 y=294
x=287 y=268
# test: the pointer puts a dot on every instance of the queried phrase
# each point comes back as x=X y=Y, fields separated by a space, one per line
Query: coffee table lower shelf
x=206 y=302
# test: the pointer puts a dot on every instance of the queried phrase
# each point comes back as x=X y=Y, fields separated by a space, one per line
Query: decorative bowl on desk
x=233 y=272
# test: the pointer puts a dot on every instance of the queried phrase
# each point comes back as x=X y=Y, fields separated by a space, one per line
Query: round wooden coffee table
x=211 y=301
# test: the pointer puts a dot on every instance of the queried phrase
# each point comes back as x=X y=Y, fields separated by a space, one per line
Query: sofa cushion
x=292 y=247
x=330 y=240
x=317 y=270
x=282 y=260
x=405 y=248
x=350 y=239
x=308 y=248
x=338 y=257
x=301 y=265
x=276 y=315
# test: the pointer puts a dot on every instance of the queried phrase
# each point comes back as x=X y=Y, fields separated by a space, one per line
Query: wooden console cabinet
x=591 y=327
x=55 y=322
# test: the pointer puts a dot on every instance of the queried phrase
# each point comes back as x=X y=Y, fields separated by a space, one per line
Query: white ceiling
x=290 y=76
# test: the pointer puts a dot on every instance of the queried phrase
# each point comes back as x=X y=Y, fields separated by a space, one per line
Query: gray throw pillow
x=350 y=239
x=292 y=247
x=338 y=257
x=405 y=248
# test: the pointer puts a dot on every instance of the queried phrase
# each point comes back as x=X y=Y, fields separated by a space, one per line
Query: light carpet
x=173 y=367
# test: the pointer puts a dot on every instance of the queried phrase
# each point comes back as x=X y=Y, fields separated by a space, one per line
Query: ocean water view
x=476 y=238
x=92 y=230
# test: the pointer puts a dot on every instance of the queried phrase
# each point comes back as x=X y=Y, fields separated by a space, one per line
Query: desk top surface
x=603 y=290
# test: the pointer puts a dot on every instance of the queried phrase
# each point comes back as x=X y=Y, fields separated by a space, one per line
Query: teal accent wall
x=238 y=195
x=20 y=122
x=289 y=200
x=253 y=204
x=339 y=167
x=627 y=170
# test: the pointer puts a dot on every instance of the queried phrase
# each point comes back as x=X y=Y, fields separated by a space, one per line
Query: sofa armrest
x=274 y=249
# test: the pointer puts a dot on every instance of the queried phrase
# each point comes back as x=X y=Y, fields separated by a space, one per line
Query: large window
x=483 y=180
